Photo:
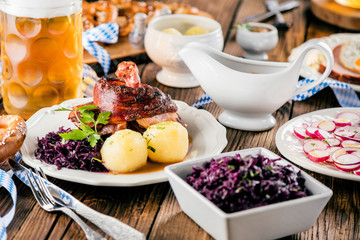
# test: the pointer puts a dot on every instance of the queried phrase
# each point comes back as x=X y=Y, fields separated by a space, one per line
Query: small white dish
x=163 y=47
x=291 y=147
x=267 y=222
x=208 y=138
x=256 y=43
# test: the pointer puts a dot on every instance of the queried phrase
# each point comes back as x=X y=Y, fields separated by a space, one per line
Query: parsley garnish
x=151 y=149
x=85 y=131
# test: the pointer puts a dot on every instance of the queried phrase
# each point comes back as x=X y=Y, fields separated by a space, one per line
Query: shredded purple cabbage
x=70 y=154
x=234 y=183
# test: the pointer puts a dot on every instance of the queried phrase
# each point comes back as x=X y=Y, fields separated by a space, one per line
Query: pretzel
x=12 y=134
x=123 y=12
x=97 y=13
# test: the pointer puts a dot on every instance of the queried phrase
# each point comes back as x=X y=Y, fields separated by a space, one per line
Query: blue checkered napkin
x=106 y=33
x=9 y=185
x=22 y=176
x=89 y=79
x=345 y=95
x=203 y=100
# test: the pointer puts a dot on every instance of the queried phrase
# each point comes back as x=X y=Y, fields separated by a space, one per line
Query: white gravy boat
x=249 y=91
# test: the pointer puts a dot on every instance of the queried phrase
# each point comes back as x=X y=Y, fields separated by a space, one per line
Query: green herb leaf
x=86 y=129
x=93 y=138
x=86 y=107
x=76 y=134
x=103 y=118
x=96 y=159
x=86 y=116
x=62 y=109
x=151 y=148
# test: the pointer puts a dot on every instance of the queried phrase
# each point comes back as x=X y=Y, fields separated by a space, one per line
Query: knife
x=110 y=225
x=280 y=23
x=282 y=7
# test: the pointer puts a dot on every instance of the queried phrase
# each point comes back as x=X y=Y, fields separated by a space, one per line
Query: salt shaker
x=137 y=35
x=165 y=11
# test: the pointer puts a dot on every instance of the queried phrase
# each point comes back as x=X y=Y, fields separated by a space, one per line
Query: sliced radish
x=342 y=122
x=352 y=116
x=345 y=160
x=300 y=132
x=318 y=155
x=331 y=150
x=312 y=144
x=310 y=131
x=305 y=125
x=315 y=124
x=357 y=153
x=350 y=143
x=357 y=136
x=346 y=132
x=357 y=172
x=322 y=134
x=328 y=126
x=332 y=141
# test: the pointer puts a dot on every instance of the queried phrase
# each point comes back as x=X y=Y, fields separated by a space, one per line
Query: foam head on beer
x=41 y=51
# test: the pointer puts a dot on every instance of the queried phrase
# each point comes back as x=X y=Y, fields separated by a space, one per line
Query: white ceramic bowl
x=256 y=44
x=163 y=48
x=267 y=222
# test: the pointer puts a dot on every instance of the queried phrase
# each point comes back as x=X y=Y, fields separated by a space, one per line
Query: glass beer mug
x=41 y=53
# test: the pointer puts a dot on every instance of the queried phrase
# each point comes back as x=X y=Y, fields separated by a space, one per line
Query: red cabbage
x=70 y=153
x=234 y=183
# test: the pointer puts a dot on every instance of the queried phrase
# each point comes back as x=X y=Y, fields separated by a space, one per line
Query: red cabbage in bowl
x=52 y=149
x=234 y=183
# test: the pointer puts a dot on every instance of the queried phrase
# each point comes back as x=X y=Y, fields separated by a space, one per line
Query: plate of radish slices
x=325 y=141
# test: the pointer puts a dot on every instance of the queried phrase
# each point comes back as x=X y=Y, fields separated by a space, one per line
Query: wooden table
x=153 y=209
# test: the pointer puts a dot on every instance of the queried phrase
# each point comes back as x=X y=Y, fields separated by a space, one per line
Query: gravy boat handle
x=325 y=49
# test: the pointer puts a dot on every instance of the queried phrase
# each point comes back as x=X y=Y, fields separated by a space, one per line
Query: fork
x=48 y=203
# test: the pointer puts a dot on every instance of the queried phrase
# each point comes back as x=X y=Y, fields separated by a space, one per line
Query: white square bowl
x=268 y=222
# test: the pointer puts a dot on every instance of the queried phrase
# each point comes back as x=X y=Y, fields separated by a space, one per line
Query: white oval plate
x=208 y=138
x=291 y=148
x=310 y=65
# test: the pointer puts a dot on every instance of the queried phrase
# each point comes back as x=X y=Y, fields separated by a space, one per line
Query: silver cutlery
x=48 y=203
x=273 y=5
x=110 y=225
x=286 y=6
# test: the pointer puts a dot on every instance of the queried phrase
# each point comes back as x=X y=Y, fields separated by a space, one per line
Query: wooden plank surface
x=153 y=209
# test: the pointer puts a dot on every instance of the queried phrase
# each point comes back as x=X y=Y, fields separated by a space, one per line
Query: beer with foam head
x=41 y=53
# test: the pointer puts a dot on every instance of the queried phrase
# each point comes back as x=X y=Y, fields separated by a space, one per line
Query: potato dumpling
x=172 y=31
x=167 y=142
x=124 y=151
x=196 y=31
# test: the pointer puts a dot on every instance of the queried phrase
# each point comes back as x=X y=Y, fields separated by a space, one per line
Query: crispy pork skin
x=131 y=104
x=127 y=103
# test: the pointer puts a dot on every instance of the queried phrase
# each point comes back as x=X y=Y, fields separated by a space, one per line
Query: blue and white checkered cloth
x=106 y=33
x=89 y=79
x=345 y=95
x=9 y=185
